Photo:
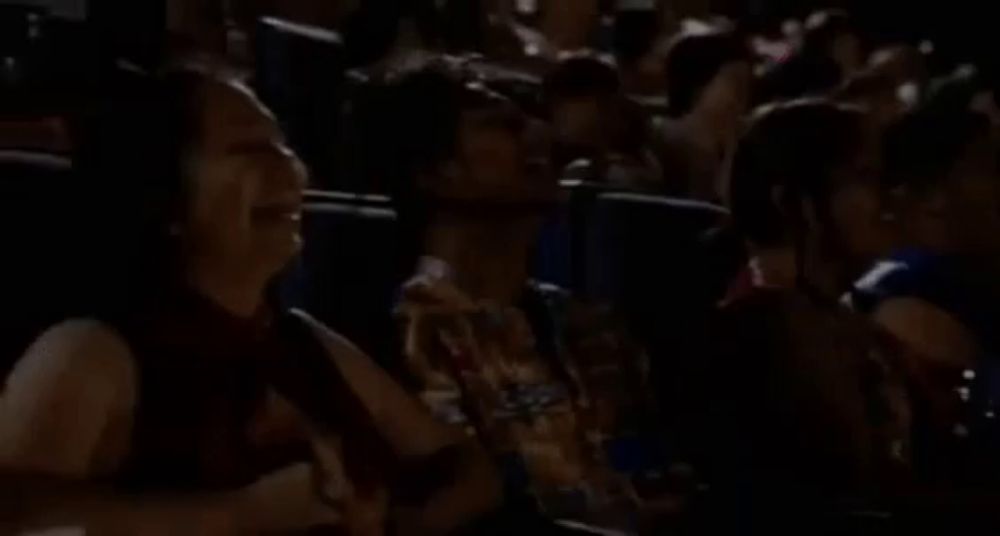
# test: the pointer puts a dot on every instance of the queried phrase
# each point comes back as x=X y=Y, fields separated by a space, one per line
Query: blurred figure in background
x=584 y=101
x=893 y=82
x=532 y=34
x=937 y=293
x=555 y=389
x=879 y=95
x=708 y=87
x=637 y=45
x=836 y=35
x=804 y=406
x=900 y=62
x=832 y=51
x=598 y=132
x=195 y=405
x=569 y=24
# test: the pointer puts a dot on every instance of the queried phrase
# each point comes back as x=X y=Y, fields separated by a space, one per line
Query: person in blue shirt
x=936 y=292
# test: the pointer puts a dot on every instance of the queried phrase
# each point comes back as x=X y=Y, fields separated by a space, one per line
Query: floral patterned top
x=555 y=389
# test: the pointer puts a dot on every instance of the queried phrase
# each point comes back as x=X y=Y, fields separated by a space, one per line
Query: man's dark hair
x=426 y=105
x=694 y=60
x=788 y=156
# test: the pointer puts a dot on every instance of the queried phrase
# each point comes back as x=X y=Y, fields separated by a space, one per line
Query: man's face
x=856 y=209
x=502 y=158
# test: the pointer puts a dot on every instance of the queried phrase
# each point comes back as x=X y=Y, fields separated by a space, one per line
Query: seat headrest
x=678 y=204
x=45 y=162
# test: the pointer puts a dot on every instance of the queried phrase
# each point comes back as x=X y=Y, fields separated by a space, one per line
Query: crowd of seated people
x=834 y=371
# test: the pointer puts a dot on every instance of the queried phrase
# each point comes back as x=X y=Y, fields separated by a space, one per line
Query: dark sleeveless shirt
x=204 y=375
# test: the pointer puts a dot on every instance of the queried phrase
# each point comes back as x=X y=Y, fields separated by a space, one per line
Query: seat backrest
x=44 y=270
x=300 y=76
x=656 y=260
x=561 y=252
x=639 y=241
x=346 y=275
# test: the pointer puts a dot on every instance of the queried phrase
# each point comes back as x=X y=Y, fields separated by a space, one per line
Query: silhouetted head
x=831 y=52
x=709 y=73
x=941 y=165
x=583 y=97
x=194 y=172
x=804 y=176
x=835 y=35
x=465 y=153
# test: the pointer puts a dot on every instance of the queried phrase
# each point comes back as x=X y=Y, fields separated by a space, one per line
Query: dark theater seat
x=42 y=273
x=637 y=242
x=300 y=76
x=664 y=263
x=561 y=255
x=347 y=273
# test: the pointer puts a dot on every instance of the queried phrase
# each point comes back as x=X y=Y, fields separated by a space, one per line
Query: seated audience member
x=937 y=293
x=636 y=44
x=200 y=408
x=593 y=122
x=902 y=63
x=965 y=89
x=831 y=52
x=569 y=24
x=879 y=95
x=835 y=34
x=802 y=405
x=555 y=389
x=708 y=87
x=892 y=83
